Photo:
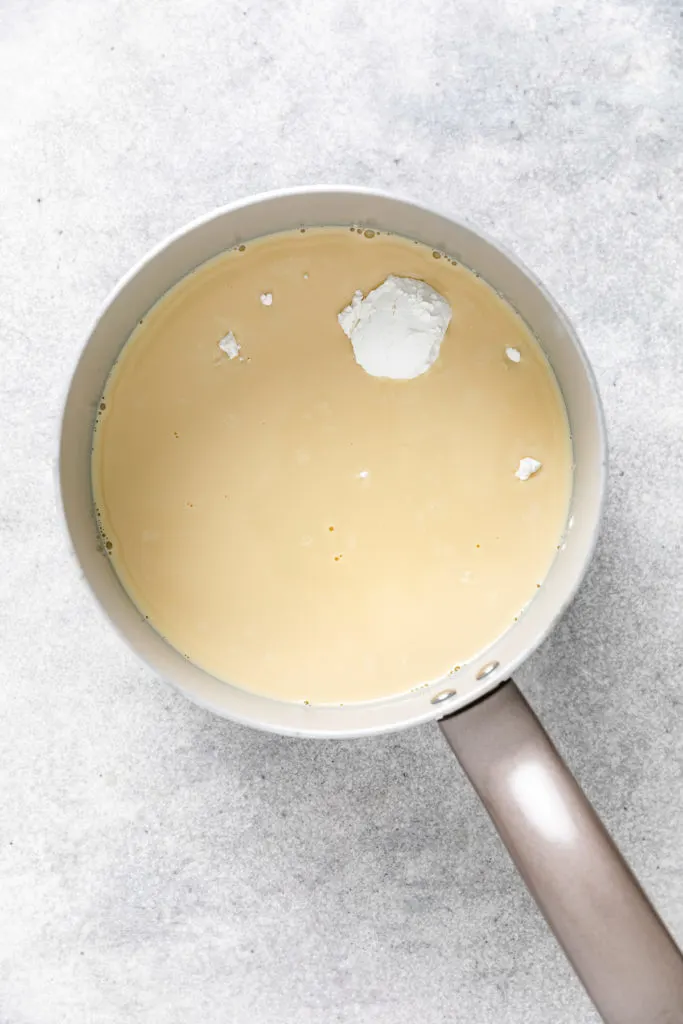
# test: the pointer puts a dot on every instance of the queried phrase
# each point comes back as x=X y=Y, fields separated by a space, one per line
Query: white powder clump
x=397 y=329
x=229 y=345
x=267 y=299
x=513 y=354
x=527 y=467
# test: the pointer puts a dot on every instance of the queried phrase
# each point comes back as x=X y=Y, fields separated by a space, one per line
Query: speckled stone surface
x=159 y=865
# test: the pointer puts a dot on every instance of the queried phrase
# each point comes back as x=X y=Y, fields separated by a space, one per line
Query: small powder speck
x=513 y=354
x=230 y=345
x=266 y=299
x=305 y=277
x=528 y=467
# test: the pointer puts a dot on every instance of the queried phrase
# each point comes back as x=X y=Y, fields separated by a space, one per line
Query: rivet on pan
x=444 y=695
x=487 y=669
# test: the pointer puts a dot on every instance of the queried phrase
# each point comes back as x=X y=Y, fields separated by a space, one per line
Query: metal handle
x=618 y=946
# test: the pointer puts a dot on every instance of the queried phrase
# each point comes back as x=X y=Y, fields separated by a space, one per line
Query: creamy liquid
x=299 y=528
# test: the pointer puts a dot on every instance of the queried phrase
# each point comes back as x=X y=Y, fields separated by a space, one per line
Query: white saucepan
x=613 y=937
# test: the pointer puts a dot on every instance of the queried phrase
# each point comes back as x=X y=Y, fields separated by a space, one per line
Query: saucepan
x=617 y=944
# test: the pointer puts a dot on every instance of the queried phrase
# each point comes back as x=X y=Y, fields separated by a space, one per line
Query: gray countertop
x=160 y=865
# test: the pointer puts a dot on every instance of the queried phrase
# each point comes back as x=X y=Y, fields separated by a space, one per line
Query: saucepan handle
x=618 y=946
